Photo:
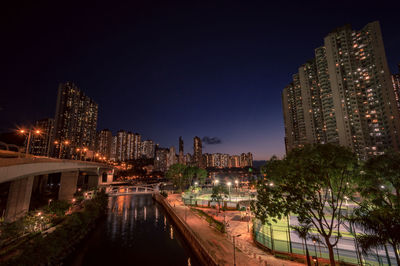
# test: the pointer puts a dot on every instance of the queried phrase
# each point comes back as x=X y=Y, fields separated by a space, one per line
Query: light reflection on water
x=136 y=231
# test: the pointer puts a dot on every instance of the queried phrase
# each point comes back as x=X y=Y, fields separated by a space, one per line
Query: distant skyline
x=168 y=69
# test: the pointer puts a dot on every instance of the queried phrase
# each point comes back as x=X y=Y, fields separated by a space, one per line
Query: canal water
x=136 y=231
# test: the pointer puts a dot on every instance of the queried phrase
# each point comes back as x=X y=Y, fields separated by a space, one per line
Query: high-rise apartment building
x=160 y=160
x=105 y=143
x=344 y=96
x=181 y=158
x=113 y=156
x=136 y=146
x=121 y=148
x=130 y=146
x=188 y=159
x=234 y=161
x=147 y=149
x=396 y=87
x=197 y=152
x=75 y=121
x=171 y=157
x=207 y=159
x=246 y=159
x=40 y=144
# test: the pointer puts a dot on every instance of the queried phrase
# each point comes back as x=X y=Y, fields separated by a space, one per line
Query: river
x=136 y=231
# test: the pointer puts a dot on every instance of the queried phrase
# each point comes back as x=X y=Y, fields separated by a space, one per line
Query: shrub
x=164 y=194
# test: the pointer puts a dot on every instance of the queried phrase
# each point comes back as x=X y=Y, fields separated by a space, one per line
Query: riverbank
x=219 y=245
x=50 y=247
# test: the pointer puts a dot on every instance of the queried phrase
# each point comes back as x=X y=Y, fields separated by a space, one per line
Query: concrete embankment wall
x=189 y=235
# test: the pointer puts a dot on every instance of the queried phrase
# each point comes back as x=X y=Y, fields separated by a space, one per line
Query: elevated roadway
x=26 y=172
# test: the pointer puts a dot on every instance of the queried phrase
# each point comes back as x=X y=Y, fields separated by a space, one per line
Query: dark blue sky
x=167 y=69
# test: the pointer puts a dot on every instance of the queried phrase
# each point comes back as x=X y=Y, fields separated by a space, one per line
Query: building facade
x=160 y=159
x=147 y=149
x=344 y=95
x=197 y=152
x=171 y=158
x=75 y=121
x=40 y=144
x=396 y=87
x=181 y=158
x=121 y=147
x=105 y=143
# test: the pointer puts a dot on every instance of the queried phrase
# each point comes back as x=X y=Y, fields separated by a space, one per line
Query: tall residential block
x=197 y=152
x=161 y=159
x=147 y=149
x=171 y=157
x=121 y=148
x=344 y=95
x=181 y=158
x=75 y=121
x=136 y=146
x=40 y=144
x=105 y=143
x=396 y=87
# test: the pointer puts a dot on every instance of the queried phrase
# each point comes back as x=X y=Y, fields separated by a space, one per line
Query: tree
x=218 y=192
x=378 y=213
x=311 y=182
x=201 y=175
x=176 y=174
x=303 y=232
x=189 y=174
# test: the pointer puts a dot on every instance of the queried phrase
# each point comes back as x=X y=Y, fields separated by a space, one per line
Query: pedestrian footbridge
x=132 y=190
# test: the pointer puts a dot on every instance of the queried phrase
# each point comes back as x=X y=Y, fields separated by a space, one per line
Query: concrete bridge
x=22 y=175
x=132 y=190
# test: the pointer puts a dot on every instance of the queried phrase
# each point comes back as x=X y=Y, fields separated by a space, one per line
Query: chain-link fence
x=279 y=237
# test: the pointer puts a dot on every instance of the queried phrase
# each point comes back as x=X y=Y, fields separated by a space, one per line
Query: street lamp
x=314 y=240
x=229 y=190
x=65 y=142
x=234 y=249
x=216 y=181
x=84 y=150
x=28 y=137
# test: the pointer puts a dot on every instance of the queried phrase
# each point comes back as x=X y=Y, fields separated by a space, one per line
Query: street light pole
x=229 y=190
x=234 y=250
x=28 y=138
x=66 y=142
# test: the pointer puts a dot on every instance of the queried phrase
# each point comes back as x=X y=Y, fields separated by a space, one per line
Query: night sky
x=168 y=69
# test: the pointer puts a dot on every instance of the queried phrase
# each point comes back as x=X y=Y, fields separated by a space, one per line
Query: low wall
x=189 y=235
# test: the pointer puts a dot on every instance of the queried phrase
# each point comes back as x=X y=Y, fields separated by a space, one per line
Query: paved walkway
x=220 y=245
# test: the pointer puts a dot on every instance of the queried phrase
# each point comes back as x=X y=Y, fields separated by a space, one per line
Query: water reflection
x=134 y=233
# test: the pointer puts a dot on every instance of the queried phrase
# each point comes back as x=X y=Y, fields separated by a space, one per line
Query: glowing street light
x=229 y=190
x=28 y=137
x=65 y=142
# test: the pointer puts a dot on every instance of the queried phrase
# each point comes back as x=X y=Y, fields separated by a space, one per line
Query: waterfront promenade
x=220 y=245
